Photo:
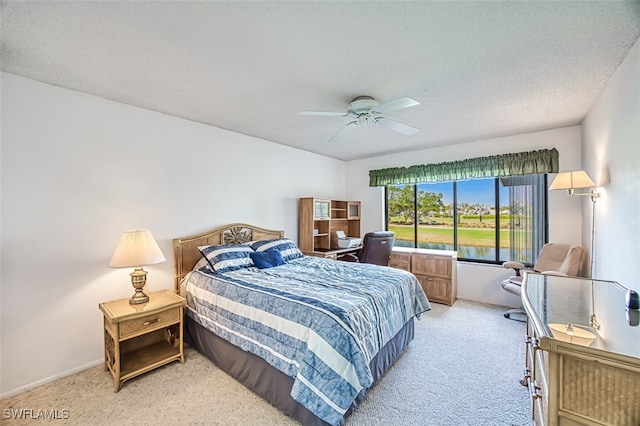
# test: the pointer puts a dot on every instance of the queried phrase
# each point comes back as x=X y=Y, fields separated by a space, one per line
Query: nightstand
x=139 y=338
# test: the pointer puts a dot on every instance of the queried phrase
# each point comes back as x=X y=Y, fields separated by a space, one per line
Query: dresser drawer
x=437 y=289
x=400 y=261
x=149 y=322
x=431 y=265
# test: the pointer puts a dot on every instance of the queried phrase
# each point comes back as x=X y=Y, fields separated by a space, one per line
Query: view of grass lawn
x=438 y=234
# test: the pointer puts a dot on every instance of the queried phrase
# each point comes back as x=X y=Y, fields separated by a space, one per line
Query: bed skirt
x=273 y=385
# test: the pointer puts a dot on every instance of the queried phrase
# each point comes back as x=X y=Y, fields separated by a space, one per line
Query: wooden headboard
x=186 y=250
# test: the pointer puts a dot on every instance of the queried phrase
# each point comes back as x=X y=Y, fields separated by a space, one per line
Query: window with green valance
x=514 y=164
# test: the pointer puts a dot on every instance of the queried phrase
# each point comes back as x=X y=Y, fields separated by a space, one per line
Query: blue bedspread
x=316 y=320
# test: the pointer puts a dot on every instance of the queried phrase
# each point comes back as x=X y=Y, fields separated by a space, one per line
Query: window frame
x=496 y=260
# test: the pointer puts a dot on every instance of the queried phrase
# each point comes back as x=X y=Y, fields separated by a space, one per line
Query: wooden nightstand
x=139 y=338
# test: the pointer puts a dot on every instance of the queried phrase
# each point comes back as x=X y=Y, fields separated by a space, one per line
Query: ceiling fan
x=366 y=110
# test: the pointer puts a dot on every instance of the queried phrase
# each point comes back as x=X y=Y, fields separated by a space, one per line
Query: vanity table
x=582 y=352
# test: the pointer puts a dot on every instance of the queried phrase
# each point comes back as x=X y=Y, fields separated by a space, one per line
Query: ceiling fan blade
x=323 y=113
x=395 y=105
x=395 y=126
x=344 y=131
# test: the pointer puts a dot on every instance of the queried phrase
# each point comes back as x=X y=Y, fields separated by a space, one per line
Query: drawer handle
x=526 y=378
x=153 y=321
x=535 y=345
x=534 y=390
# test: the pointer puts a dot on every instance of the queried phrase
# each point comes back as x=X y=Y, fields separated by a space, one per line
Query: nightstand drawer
x=149 y=322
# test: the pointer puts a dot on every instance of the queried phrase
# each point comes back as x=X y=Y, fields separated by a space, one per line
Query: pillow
x=228 y=258
x=267 y=259
x=287 y=248
x=202 y=263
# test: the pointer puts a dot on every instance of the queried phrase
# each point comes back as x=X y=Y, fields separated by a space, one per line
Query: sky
x=472 y=191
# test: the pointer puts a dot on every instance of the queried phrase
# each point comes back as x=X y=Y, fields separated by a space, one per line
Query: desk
x=333 y=254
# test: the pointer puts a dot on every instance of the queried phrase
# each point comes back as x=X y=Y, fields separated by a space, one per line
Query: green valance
x=515 y=164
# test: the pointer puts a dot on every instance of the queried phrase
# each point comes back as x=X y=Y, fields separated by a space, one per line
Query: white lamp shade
x=136 y=248
x=572 y=180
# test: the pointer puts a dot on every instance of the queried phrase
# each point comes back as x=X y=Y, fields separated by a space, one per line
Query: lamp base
x=138 y=298
x=138 y=280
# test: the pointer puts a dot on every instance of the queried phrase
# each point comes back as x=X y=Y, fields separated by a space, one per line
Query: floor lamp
x=581 y=180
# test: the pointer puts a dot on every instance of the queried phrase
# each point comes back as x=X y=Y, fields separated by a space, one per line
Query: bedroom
x=78 y=169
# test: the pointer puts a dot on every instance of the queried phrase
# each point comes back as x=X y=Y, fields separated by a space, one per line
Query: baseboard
x=50 y=379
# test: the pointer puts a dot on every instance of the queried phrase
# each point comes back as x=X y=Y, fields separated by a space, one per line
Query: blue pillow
x=287 y=248
x=267 y=259
x=228 y=258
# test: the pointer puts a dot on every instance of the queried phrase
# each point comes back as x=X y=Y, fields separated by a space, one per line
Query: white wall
x=611 y=152
x=475 y=281
x=77 y=171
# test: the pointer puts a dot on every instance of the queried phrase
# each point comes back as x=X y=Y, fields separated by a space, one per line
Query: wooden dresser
x=582 y=352
x=435 y=269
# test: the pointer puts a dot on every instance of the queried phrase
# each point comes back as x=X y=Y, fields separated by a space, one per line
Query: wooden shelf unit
x=319 y=219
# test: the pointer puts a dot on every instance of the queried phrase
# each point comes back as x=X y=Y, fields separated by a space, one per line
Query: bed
x=309 y=335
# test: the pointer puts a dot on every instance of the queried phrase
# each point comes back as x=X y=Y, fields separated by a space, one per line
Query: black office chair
x=376 y=248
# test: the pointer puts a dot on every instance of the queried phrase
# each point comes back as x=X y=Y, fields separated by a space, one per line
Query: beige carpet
x=462 y=369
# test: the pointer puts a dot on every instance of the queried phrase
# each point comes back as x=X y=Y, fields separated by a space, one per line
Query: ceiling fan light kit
x=362 y=104
x=366 y=110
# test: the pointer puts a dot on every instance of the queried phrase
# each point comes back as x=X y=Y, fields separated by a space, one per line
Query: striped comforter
x=316 y=320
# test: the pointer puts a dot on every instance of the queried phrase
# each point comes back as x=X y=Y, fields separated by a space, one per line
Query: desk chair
x=554 y=259
x=376 y=248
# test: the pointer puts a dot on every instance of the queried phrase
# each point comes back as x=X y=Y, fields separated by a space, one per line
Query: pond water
x=467 y=252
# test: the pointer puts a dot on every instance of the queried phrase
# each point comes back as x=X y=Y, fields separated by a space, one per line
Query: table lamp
x=135 y=250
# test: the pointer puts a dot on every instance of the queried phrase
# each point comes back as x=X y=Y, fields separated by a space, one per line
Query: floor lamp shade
x=135 y=250
x=572 y=180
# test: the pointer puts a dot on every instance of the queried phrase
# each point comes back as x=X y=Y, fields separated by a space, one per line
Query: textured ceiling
x=478 y=69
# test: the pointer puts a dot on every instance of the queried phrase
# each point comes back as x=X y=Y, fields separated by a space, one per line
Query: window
x=484 y=220
x=435 y=211
x=401 y=210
